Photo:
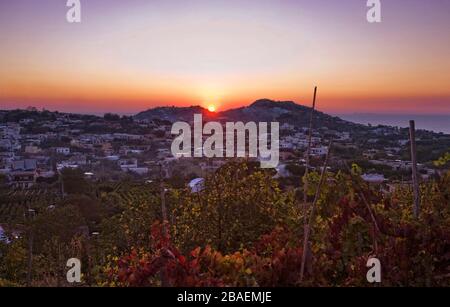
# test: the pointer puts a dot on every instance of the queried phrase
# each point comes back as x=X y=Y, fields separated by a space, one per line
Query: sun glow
x=212 y=108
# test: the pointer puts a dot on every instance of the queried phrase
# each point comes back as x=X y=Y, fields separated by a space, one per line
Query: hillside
x=172 y=114
x=263 y=110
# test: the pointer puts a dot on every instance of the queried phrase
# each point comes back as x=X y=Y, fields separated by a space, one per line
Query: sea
x=436 y=123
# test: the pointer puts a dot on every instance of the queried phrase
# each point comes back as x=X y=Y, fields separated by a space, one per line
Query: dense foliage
x=242 y=229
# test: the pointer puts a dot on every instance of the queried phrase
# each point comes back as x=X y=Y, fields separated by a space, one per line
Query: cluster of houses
x=65 y=141
x=26 y=156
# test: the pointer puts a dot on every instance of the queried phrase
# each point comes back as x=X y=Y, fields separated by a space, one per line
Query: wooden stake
x=163 y=272
x=163 y=197
x=305 y=178
x=30 y=214
x=313 y=211
x=415 y=179
x=376 y=228
x=308 y=150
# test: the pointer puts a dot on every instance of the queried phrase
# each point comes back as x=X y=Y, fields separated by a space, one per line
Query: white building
x=374 y=178
x=127 y=164
x=197 y=185
x=63 y=151
x=319 y=151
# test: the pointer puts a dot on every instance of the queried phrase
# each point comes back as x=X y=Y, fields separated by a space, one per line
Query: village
x=35 y=146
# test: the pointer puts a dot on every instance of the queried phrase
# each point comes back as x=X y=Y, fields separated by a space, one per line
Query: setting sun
x=212 y=109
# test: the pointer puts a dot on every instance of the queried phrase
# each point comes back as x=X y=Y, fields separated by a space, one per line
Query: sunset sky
x=127 y=56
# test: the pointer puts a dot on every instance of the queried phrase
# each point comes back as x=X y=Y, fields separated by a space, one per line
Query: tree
x=13 y=263
x=443 y=161
x=56 y=234
x=111 y=117
x=237 y=206
x=74 y=182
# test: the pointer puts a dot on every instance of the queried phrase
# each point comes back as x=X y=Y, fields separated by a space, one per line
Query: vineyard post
x=305 y=177
x=308 y=150
x=163 y=273
x=31 y=213
x=415 y=180
x=163 y=198
x=60 y=176
x=376 y=228
x=219 y=191
x=312 y=213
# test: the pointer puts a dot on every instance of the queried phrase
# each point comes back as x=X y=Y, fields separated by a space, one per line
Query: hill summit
x=262 y=110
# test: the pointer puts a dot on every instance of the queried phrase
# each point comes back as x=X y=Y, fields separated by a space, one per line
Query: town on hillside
x=36 y=146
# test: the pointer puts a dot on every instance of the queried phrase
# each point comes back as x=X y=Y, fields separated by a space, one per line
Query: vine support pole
x=313 y=212
x=31 y=216
x=163 y=272
x=308 y=150
x=163 y=195
x=376 y=228
x=415 y=179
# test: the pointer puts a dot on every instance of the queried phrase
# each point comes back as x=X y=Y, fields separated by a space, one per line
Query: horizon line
x=334 y=113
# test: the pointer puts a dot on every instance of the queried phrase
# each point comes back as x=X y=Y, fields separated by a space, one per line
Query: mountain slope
x=171 y=114
x=284 y=112
x=263 y=110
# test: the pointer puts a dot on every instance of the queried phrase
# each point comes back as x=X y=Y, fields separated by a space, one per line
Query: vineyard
x=245 y=232
x=15 y=204
x=241 y=230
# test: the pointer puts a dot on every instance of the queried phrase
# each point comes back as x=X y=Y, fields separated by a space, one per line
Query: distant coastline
x=436 y=123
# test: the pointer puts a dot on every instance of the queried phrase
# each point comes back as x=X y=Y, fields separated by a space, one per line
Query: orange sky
x=224 y=53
